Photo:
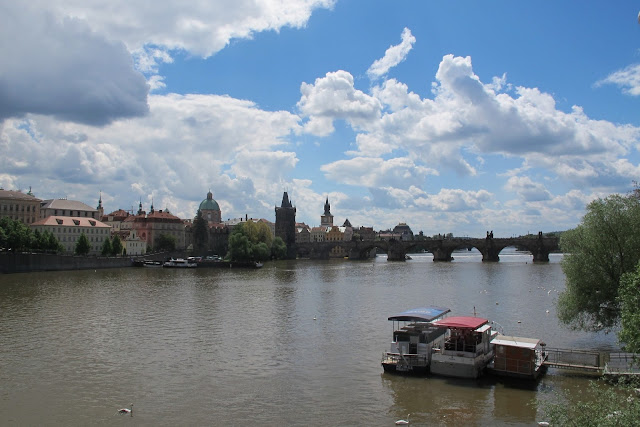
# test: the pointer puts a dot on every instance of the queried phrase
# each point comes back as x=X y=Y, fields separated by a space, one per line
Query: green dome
x=209 y=204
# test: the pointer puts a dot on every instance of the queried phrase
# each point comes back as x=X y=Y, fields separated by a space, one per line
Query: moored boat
x=179 y=263
x=517 y=357
x=414 y=337
x=466 y=350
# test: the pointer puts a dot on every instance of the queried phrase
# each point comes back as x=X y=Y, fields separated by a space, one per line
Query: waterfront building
x=303 y=233
x=68 y=229
x=64 y=207
x=133 y=244
x=367 y=233
x=326 y=219
x=154 y=224
x=19 y=206
x=115 y=219
x=319 y=234
x=210 y=210
x=286 y=225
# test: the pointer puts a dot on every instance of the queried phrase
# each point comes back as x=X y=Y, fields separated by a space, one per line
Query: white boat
x=414 y=337
x=179 y=263
x=467 y=347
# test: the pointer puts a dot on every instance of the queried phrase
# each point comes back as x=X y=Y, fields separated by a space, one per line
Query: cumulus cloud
x=183 y=147
x=627 y=79
x=334 y=97
x=376 y=172
x=393 y=56
x=59 y=67
x=527 y=189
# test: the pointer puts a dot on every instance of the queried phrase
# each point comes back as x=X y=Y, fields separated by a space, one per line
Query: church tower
x=326 y=220
x=286 y=225
x=100 y=209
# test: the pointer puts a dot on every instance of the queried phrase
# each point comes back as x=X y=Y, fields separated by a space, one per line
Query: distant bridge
x=396 y=250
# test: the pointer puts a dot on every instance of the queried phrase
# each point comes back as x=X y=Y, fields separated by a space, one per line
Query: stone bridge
x=441 y=249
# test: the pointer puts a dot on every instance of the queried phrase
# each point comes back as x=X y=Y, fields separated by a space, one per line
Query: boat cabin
x=517 y=357
x=413 y=339
x=467 y=347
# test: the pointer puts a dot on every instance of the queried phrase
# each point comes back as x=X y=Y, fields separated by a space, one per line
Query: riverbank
x=21 y=262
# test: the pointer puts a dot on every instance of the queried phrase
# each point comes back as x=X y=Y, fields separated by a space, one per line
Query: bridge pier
x=442 y=255
x=396 y=251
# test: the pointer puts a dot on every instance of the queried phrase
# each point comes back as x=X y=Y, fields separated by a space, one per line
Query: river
x=296 y=343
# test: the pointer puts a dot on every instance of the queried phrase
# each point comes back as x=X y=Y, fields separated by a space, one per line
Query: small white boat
x=467 y=348
x=179 y=263
x=414 y=337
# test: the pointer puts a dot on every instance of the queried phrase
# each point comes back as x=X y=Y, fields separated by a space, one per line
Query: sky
x=453 y=117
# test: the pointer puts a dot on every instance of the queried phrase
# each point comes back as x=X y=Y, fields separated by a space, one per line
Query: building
x=326 y=219
x=286 y=225
x=115 y=219
x=210 y=210
x=19 y=206
x=154 y=224
x=303 y=233
x=68 y=229
x=64 y=207
x=133 y=244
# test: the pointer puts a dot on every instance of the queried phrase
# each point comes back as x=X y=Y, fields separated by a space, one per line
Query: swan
x=403 y=422
x=126 y=410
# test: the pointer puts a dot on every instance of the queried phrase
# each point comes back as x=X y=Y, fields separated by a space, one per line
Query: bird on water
x=403 y=422
x=126 y=410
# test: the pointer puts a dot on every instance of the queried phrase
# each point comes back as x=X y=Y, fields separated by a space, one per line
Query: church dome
x=209 y=204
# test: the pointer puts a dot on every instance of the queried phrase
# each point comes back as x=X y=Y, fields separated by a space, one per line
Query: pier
x=594 y=362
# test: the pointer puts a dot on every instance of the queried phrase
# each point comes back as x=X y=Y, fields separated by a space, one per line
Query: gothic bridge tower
x=286 y=225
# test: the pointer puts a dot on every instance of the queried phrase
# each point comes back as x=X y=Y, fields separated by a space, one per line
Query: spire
x=151 y=204
x=285 y=201
x=140 y=208
x=327 y=207
x=99 y=200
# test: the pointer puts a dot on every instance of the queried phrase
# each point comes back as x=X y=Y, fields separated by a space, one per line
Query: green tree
x=200 y=233
x=599 y=405
x=278 y=248
x=165 y=242
x=53 y=244
x=116 y=246
x=629 y=298
x=82 y=245
x=250 y=241
x=106 y=247
x=604 y=246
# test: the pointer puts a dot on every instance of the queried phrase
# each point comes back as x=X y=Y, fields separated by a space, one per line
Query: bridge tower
x=326 y=220
x=286 y=225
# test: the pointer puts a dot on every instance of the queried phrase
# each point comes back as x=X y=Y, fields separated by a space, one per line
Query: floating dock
x=594 y=362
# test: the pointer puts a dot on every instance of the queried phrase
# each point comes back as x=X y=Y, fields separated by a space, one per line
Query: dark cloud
x=62 y=69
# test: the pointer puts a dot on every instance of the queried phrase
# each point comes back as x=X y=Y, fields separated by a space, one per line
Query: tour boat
x=518 y=357
x=467 y=348
x=414 y=336
x=179 y=263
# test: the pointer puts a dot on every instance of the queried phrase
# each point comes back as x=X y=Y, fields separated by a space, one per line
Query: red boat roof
x=462 y=322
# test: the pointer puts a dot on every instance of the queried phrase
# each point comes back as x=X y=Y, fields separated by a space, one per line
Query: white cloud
x=183 y=147
x=376 y=172
x=393 y=56
x=628 y=79
x=527 y=189
x=334 y=97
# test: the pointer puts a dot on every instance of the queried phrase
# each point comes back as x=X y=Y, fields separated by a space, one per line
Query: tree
x=250 y=241
x=601 y=405
x=629 y=298
x=53 y=244
x=106 y=247
x=165 y=242
x=278 y=248
x=604 y=246
x=200 y=233
x=82 y=245
x=116 y=246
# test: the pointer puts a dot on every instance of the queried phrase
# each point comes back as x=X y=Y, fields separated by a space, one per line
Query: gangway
x=579 y=360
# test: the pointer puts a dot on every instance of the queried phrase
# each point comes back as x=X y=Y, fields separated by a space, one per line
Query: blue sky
x=454 y=117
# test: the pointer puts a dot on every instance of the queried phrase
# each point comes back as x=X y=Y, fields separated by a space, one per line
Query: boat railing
x=411 y=358
x=455 y=347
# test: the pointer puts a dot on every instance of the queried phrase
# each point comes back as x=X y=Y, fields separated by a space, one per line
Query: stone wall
x=11 y=262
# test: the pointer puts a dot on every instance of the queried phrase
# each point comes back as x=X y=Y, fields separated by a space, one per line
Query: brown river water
x=295 y=343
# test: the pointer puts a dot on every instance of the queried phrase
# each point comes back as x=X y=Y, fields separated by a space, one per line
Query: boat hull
x=460 y=366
